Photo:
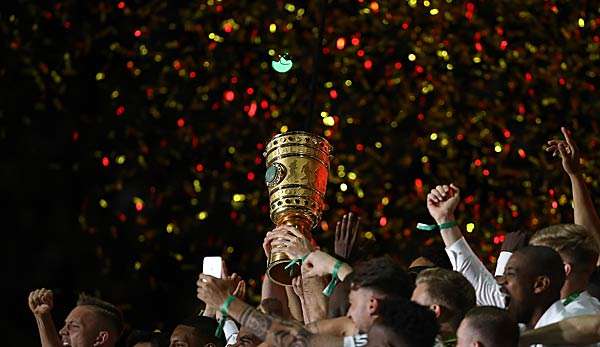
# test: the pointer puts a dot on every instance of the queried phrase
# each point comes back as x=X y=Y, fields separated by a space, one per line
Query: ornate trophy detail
x=297 y=171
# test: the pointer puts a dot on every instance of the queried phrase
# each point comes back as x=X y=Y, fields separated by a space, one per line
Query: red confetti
x=121 y=5
x=199 y=168
x=105 y=161
x=250 y=176
x=120 y=110
x=503 y=44
x=333 y=94
x=229 y=95
x=180 y=122
x=368 y=64
x=355 y=41
x=139 y=206
x=486 y=172
x=383 y=221
x=522 y=153
x=252 y=109
x=137 y=33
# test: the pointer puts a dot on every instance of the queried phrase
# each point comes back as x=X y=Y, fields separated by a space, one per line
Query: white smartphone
x=212 y=266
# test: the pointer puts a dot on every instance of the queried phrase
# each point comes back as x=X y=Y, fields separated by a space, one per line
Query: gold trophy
x=297 y=171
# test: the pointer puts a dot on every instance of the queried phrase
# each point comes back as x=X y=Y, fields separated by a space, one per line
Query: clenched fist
x=41 y=301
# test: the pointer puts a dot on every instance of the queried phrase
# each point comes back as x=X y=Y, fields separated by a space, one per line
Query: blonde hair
x=449 y=289
x=574 y=243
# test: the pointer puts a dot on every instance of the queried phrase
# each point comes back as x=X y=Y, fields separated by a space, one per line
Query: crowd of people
x=544 y=291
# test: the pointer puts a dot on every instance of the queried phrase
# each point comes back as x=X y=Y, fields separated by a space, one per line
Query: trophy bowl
x=297 y=171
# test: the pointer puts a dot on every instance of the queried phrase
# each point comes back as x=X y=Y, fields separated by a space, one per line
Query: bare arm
x=277 y=332
x=314 y=303
x=575 y=330
x=340 y=326
x=294 y=305
x=41 y=302
x=584 y=211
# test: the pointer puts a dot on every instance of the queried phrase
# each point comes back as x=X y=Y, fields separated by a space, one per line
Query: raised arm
x=274 y=331
x=441 y=203
x=584 y=211
x=41 y=302
x=576 y=330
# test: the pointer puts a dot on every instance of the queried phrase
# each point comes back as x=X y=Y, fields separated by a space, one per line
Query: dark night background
x=132 y=132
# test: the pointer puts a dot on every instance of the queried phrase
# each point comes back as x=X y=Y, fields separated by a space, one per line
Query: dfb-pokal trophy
x=296 y=177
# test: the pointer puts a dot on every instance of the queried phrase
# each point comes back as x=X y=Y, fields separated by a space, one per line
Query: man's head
x=403 y=323
x=93 y=322
x=487 y=326
x=575 y=244
x=532 y=281
x=447 y=293
x=372 y=281
x=196 y=331
x=140 y=338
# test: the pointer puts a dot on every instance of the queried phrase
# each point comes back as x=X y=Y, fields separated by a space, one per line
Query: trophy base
x=280 y=275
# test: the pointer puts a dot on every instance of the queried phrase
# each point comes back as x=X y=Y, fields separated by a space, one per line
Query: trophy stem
x=278 y=260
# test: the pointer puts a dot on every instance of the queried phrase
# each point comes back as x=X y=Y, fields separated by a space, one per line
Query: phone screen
x=212 y=266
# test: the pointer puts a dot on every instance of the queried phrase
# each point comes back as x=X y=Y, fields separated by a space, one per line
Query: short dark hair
x=493 y=326
x=544 y=261
x=155 y=338
x=416 y=325
x=449 y=289
x=107 y=311
x=383 y=275
x=204 y=327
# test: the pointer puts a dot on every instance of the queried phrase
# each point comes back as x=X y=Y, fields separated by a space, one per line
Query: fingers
x=562 y=149
x=568 y=138
x=338 y=230
x=345 y=221
x=224 y=270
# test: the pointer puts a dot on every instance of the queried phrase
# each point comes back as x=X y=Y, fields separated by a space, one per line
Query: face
x=464 y=335
x=82 y=329
x=186 y=336
x=143 y=344
x=517 y=284
x=363 y=308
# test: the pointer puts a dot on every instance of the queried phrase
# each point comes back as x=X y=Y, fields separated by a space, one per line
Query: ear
x=568 y=269
x=102 y=338
x=373 y=306
x=437 y=309
x=541 y=284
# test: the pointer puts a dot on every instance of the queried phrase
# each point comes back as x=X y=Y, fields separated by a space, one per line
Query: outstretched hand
x=568 y=151
x=346 y=231
x=442 y=201
x=41 y=301
x=213 y=291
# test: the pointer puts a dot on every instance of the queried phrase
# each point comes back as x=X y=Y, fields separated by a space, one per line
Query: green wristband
x=225 y=307
x=447 y=225
x=334 y=279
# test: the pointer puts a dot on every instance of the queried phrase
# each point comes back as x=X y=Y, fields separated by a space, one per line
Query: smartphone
x=212 y=266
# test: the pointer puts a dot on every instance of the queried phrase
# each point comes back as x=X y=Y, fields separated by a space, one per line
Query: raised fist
x=41 y=301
